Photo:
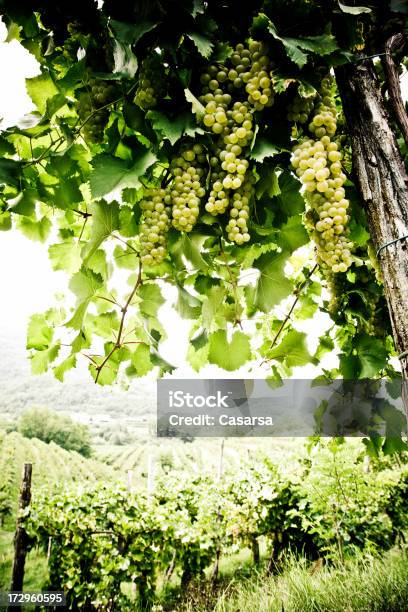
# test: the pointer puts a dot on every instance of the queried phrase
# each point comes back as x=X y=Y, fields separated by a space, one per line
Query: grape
x=151 y=83
x=258 y=77
x=336 y=285
x=218 y=200
x=154 y=226
x=300 y=109
x=97 y=96
x=339 y=288
x=237 y=227
x=317 y=162
x=249 y=69
x=186 y=190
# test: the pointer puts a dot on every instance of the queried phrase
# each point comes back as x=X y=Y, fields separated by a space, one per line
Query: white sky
x=27 y=281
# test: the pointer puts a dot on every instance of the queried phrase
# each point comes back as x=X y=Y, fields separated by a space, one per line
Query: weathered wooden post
x=20 y=537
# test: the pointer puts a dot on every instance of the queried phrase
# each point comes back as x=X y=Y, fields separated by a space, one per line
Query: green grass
x=35 y=568
x=366 y=584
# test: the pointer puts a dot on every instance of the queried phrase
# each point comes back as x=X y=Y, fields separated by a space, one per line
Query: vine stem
x=282 y=326
x=124 y=310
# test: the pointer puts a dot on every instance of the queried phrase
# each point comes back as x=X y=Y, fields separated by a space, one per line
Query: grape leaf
x=67 y=194
x=371 y=353
x=203 y=44
x=98 y=264
x=187 y=305
x=152 y=299
x=229 y=355
x=105 y=220
x=35 y=230
x=268 y=182
x=5 y=222
x=40 y=89
x=130 y=33
x=84 y=284
x=189 y=246
x=39 y=333
x=293 y=234
x=61 y=369
x=197 y=356
x=24 y=203
x=323 y=44
x=358 y=233
x=272 y=285
x=41 y=360
x=141 y=360
x=173 y=129
x=125 y=61
x=292 y=350
x=198 y=7
x=65 y=256
x=211 y=305
x=125 y=258
x=196 y=106
x=290 y=198
x=9 y=172
x=399 y=6
x=262 y=149
x=353 y=10
x=111 y=174
x=222 y=51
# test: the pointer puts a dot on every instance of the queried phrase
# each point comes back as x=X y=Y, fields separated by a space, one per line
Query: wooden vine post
x=383 y=184
x=20 y=537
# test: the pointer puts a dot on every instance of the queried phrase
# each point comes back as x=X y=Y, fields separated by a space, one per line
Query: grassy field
x=365 y=584
x=35 y=569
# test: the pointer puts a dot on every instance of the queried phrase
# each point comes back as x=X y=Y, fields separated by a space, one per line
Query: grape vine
x=211 y=154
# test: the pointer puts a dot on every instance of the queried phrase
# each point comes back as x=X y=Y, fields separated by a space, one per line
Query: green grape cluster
x=151 y=83
x=324 y=121
x=258 y=81
x=372 y=325
x=336 y=285
x=339 y=288
x=154 y=226
x=186 y=188
x=92 y=111
x=218 y=199
x=233 y=120
x=249 y=68
x=237 y=227
x=230 y=95
x=300 y=109
x=318 y=165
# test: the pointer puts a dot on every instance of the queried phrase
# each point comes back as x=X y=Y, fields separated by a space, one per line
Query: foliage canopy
x=118 y=101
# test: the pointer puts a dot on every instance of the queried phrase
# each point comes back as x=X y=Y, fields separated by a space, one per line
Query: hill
x=78 y=395
x=53 y=468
